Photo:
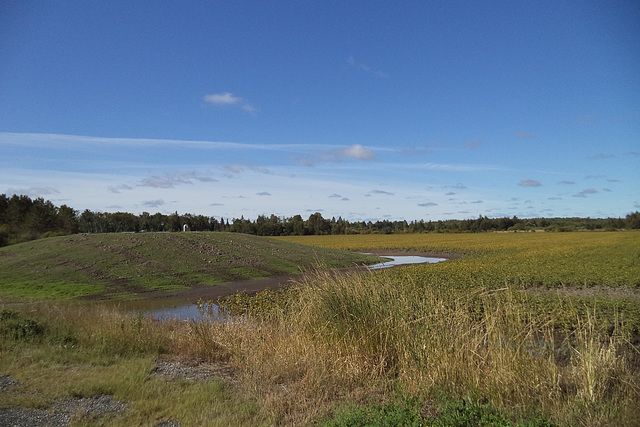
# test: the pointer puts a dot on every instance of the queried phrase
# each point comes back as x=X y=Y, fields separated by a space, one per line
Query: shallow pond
x=188 y=312
x=405 y=260
x=193 y=311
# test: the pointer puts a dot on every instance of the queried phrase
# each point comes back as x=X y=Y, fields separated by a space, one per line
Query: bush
x=17 y=327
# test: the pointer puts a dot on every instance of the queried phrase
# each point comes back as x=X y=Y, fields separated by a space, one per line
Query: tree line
x=23 y=219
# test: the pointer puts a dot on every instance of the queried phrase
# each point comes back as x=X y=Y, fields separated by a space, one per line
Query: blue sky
x=361 y=109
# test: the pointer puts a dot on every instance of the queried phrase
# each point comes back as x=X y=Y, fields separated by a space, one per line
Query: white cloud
x=222 y=99
x=227 y=99
x=357 y=151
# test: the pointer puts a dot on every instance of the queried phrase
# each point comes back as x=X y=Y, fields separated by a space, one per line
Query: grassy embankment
x=533 y=327
x=129 y=266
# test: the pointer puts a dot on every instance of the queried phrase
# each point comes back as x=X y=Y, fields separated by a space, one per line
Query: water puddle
x=405 y=260
x=189 y=312
x=213 y=312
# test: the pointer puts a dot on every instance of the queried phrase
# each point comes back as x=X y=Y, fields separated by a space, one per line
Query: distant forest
x=23 y=219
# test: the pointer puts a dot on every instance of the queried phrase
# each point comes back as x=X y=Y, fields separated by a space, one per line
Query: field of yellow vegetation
x=605 y=259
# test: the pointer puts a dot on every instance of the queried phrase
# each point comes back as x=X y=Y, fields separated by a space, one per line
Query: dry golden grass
x=368 y=337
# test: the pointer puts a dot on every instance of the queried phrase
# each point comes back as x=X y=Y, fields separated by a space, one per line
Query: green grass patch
x=412 y=413
x=118 y=265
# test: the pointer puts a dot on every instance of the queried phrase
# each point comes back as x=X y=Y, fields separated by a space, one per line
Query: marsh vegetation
x=524 y=329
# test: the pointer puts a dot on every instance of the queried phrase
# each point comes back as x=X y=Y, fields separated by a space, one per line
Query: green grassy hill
x=127 y=265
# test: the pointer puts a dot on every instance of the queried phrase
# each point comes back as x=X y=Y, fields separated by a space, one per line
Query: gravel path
x=62 y=412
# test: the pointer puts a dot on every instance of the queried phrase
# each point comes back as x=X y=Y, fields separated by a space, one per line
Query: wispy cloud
x=524 y=134
x=530 y=183
x=355 y=151
x=472 y=143
x=263 y=193
x=172 y=180
x=427 y=205
x=162 y=182
x=153 y=203
x=601 y=156
x=458 y=186
x=382 y=192
x=119 y=188
x=33 y=191
x=227 y=99
x=451 y=167
x=361 y=66
x=236 y=169
x=413 y=150
x=586 y=192
x=565 y=182
x=66 y=142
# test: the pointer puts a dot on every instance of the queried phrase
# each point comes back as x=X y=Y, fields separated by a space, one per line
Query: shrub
x=17 y=327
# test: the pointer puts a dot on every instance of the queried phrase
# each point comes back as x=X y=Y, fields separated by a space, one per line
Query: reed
x=366 y=338
x=347 y=333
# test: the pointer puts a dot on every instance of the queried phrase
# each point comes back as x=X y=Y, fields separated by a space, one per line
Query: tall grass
x=365 y=338
x=353 y=335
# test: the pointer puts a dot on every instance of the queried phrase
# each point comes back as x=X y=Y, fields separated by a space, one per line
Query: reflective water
x=212 y=311
x=188 y=312
x=405 y=260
